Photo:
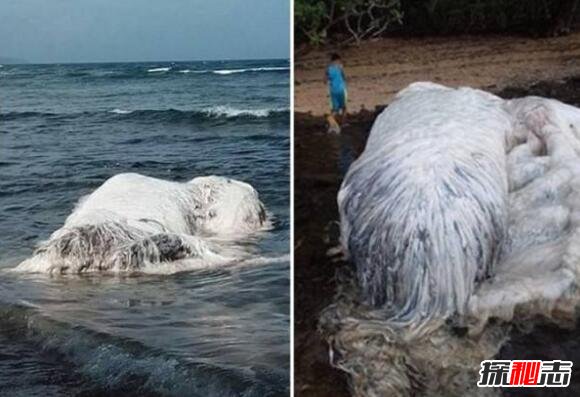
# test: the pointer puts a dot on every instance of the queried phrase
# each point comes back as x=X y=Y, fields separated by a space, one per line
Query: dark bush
x=321 y=21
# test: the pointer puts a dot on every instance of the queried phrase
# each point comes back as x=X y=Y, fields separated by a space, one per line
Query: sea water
x=64 y=130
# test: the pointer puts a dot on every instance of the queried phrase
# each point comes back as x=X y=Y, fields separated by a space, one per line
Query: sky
x=60 y=31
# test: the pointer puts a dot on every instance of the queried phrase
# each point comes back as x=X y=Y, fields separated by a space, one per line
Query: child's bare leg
x=333 y=125
x=337 y=116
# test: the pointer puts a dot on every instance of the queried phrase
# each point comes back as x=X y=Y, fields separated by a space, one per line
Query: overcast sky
x=143 y=30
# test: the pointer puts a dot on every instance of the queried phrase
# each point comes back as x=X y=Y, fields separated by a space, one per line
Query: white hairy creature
x=463 y=207
x=424 y=208
x=134 y=222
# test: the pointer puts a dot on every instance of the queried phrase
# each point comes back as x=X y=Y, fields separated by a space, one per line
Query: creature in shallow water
x=132 y=222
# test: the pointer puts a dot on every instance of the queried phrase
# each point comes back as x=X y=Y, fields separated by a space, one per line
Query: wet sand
x=318 y=173
x=377 y=70
x=321 y=160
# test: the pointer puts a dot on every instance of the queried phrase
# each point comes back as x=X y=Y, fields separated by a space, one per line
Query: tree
x=358 y=19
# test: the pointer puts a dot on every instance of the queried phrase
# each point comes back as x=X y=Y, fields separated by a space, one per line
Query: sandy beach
x=377 y=70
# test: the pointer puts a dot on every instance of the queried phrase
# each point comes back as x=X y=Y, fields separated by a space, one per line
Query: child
x=337 y=89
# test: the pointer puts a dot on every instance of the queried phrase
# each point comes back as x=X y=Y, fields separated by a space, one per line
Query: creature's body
x=133 y=221
x=426 y=211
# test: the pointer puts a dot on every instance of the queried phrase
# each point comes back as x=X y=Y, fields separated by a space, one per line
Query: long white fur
x=135 y=223
x=514 y=255
x=540 y=267
x=424 y=208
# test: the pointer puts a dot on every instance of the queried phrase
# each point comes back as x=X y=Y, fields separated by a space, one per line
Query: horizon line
x=166 y=61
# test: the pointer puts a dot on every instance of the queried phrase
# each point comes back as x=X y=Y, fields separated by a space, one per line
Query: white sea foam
x=121 y=111
x=214 y=111
x=234 y=71
x=262 y=69
x=228 y=111
x=463 y=208
x=134 y=223
x=157 y=70
x=185 y=71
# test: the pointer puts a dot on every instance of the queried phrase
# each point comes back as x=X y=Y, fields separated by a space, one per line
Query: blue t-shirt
x=336 y=78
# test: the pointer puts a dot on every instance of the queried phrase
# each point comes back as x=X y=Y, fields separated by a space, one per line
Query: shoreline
x=564 y=86
x=378 y=69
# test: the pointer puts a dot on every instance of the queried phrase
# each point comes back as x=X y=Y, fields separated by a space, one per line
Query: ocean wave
x=121 y=111
x=185 y=71
x=207 y=114
x=230 y=112
x=9 y=116
x=161 y=115
x=234 y=71
x=119 y=363
x=79 y=73
x=158 y=70
x=261 y=69
x=137 y=73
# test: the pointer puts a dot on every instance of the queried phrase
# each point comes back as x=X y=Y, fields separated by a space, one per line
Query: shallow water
x=65 y=129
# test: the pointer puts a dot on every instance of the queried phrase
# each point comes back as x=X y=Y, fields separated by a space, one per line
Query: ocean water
x=65 y=129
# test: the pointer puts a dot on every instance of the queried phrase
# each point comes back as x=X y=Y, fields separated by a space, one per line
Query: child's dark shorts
x=338 y=100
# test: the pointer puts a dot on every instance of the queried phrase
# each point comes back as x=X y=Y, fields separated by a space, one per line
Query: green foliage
x=316 y=20
x=474 y=16
x=321 y=21
x=370 y=18
x=311 y=18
